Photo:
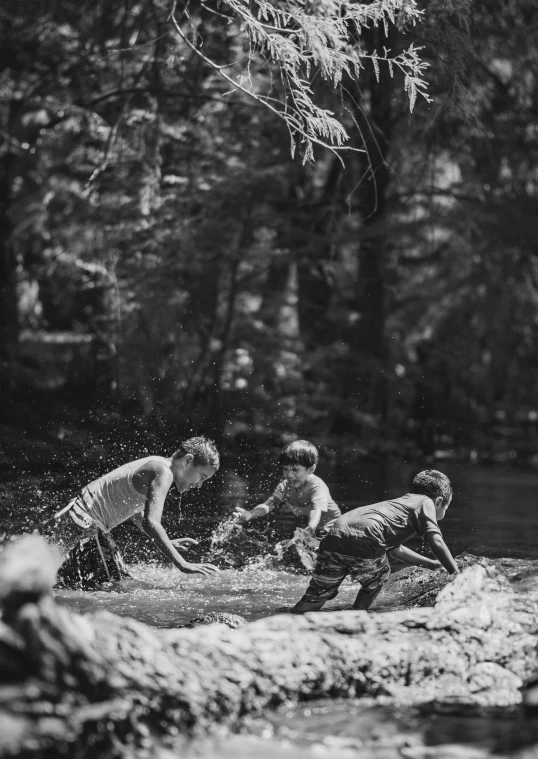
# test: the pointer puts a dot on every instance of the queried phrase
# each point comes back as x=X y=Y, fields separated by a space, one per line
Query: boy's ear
x=312 y=468
x=188 y=458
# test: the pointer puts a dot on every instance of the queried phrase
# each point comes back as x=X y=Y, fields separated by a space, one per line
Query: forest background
x=169 y=266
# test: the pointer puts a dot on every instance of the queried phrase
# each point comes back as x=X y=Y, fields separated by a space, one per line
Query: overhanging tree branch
x=302 y=42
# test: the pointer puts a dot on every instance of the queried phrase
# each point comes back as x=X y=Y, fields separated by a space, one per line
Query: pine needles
x=304 y=39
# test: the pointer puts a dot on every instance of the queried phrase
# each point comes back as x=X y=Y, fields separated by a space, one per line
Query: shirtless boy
x=135 y=491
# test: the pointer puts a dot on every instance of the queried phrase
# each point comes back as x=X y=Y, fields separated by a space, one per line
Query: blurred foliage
x=226 y=287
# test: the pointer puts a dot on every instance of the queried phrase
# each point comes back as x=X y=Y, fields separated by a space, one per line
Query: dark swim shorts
x=332 y=568
x=93 y=561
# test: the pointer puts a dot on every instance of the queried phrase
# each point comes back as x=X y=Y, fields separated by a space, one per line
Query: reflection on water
x=354 y=729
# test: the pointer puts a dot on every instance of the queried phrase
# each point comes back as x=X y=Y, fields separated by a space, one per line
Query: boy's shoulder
x=418 y=498
x=154 y=465
x=314 y=481
x=415 y=501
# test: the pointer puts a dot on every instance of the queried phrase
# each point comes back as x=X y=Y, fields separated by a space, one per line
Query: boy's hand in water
x=199 y=569
x=305 y=534
x=183 y=544
x=243 y=515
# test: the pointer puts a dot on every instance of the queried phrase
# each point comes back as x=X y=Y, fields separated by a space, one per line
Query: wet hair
x=432 y=483
x=204 y=451
x=299 y=452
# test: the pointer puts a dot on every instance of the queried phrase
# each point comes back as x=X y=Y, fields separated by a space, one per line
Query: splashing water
x=298 y=553
x=224 y=531
x=236 y=545
x=257 y=578
x=231 y=545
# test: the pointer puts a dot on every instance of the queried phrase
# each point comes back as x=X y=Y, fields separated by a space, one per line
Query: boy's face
x=297 y=473
x=188 y=475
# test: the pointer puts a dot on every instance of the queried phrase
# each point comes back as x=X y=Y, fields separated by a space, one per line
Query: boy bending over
x=301 y=492
x=358 y=542
x=135 y=491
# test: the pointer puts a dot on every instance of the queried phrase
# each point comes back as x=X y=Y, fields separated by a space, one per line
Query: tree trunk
x=368 y=343
x=321 y=216
x=9 y=314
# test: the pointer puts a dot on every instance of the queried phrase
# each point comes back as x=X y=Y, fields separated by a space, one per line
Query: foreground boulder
x=99 y=681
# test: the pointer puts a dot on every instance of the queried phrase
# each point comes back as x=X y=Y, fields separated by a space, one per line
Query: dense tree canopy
x=162 y=246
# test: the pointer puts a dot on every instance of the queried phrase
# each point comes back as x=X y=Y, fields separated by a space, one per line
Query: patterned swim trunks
x=95 y=558
x=332 y=568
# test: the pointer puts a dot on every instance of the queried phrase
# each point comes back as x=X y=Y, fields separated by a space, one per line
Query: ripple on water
x=162 y=597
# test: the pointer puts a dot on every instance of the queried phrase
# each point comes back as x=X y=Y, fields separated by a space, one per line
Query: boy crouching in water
x=135 y=491
x=358 y=542
x=301 y=492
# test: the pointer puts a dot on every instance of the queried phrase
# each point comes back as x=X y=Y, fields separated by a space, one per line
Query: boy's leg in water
x=112 y=557
x=329 y=573
x=372 y=574
x=94 y=560
x=301 y=607
x=364 y=600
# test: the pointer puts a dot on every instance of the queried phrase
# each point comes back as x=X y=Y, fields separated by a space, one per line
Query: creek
x=493 y=514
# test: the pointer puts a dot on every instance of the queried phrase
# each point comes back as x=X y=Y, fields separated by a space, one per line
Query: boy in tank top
x=136 y=491
x=301 y=494
x=358 y=542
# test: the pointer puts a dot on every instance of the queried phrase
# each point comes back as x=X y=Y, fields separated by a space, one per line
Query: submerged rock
x=94 y=682
x=233 y=621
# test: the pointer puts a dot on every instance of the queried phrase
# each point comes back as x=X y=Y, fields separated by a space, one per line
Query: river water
x=493 y=514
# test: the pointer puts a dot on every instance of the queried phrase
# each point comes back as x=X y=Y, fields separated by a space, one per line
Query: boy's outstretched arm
x=138 y=521
x=151 y=525
x=261 y=510
x=440 y=550
x=313 y=520
x=182 y=543
x=405 y=554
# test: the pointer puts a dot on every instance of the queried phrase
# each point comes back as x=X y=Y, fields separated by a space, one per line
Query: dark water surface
x=493 y=514
x=493 y=511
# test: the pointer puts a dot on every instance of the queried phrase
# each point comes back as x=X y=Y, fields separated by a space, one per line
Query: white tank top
x=112 y=499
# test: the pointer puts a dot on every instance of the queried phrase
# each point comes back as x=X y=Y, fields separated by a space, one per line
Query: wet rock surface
x=233 y=621
x=101 y=683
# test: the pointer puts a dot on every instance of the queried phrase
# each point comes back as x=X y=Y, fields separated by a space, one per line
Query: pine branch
x=305 y=38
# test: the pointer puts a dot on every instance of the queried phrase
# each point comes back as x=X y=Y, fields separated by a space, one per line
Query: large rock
x=95 y=681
